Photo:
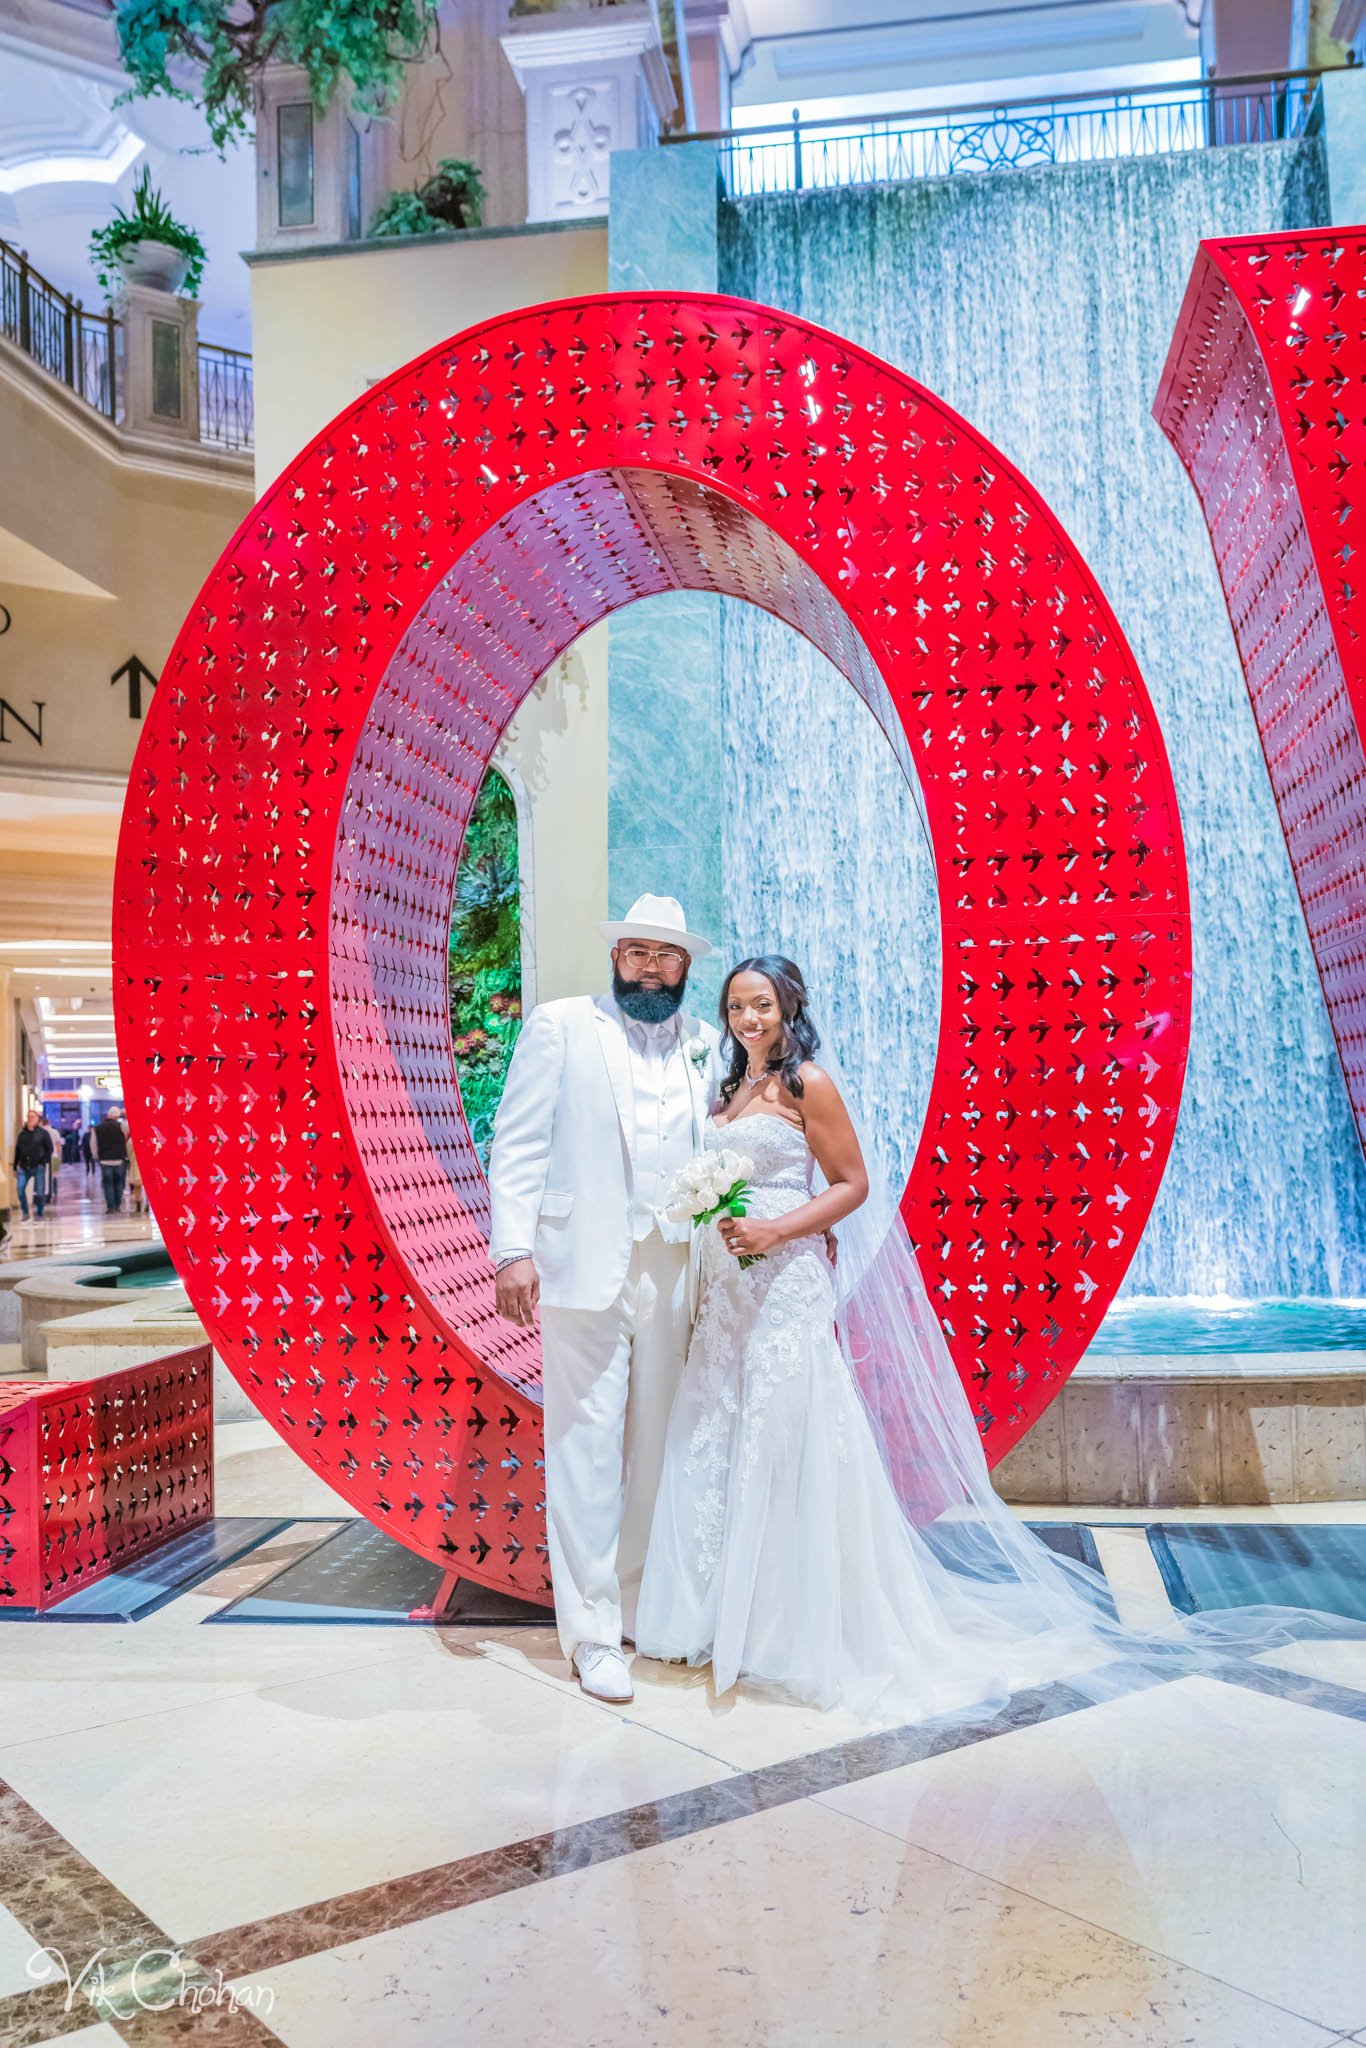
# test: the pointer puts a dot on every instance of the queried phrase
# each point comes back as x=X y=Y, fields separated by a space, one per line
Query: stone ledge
x=1239 y=1429
x=135 y=1331
x=1233 y=1368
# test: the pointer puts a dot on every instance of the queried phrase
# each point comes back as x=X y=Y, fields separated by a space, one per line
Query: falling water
x=1040 y=304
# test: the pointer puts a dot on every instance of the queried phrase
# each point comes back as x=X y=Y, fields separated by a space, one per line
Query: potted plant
x=147 y=246
x=453 y=197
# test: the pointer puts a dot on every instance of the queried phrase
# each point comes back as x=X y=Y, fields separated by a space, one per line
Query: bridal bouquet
x=714 y=1184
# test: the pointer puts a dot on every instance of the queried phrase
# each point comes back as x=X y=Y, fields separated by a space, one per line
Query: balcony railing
x=225 y=396
x=78 y=347
x=86 y=352
x=1076 y=128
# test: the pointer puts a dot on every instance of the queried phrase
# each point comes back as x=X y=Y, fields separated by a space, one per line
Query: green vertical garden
x=486 y=957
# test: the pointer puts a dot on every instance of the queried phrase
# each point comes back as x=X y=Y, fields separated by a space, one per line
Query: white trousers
x=609 y=1381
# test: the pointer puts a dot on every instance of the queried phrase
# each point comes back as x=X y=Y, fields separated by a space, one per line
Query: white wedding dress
x=779 y=1551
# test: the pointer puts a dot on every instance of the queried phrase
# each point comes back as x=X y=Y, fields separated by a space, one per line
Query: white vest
x=663 y=1116
x=566 y=1161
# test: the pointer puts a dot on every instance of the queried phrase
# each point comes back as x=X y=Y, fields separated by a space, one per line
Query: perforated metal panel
x=95 y=1473
x=1261 y=398
x=308 y=767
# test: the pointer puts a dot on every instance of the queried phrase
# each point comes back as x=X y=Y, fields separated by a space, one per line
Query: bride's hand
x=749 y=1237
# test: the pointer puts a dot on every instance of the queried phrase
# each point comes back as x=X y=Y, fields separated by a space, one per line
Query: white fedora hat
x=658 y=917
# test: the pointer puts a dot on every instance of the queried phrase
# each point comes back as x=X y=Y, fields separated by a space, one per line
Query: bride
x=825 y=1525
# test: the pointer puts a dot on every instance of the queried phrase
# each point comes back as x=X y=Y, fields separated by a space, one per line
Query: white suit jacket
x=561 y=1162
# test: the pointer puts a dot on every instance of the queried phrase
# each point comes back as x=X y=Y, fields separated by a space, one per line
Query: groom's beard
x=646 y=1005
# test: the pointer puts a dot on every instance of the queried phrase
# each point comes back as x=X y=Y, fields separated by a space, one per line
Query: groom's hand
x=517 y=1290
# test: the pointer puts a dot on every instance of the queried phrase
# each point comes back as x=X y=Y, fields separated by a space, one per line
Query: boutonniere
x=699 y=1052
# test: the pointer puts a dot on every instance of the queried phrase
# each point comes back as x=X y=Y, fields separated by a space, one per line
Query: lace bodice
x=782 y=1158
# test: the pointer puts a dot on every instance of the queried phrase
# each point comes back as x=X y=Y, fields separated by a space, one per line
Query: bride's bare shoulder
x=817 y=1083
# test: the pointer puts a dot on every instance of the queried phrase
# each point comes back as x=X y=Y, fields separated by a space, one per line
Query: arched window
x=486 y=956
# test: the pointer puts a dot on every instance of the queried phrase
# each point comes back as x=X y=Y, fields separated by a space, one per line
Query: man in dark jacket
x=111 y=1149
x=32 y=1154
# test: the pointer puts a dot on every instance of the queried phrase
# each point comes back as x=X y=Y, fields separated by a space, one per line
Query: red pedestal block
x=95 y=1473
x=1261 y=398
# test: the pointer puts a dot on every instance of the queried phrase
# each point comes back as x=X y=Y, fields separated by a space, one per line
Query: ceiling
x=69 y=155
x=820 y=54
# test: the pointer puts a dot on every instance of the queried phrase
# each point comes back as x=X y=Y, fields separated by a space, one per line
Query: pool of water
x=1149 y=1325
x=146 y=1276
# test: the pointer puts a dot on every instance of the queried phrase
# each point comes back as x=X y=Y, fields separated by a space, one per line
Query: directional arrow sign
x=137 y=674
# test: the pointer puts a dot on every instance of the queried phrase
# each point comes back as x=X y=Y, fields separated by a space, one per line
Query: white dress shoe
x=602 y=1671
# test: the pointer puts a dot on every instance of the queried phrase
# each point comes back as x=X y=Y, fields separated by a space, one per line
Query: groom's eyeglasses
x=636 y=958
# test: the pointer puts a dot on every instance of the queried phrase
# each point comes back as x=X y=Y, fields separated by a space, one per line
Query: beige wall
x=327 y=326
x=104 y=543
x=102 y=551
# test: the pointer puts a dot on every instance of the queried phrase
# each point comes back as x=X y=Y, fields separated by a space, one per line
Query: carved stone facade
x=595 y=81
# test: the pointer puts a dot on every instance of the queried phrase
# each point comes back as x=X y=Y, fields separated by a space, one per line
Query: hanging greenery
x=486 y=957
x=229 y=43
x=453 y=197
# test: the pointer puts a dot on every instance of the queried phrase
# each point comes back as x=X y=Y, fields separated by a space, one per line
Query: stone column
x=595 y=81
x=715 y=49
x=10 y=1089
x=1254 y=38
x=316 y=177
x=664 y=701
x=1344 y=134
x=160 y=362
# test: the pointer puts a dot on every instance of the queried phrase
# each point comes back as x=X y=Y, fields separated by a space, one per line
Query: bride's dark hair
x=800 y=1040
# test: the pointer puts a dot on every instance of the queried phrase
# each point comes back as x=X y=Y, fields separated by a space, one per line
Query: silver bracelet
x=509 y=1259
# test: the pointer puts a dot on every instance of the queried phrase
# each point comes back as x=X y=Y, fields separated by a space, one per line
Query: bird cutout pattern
x=96 y=1473
x=310 y=761
x=1261 y=398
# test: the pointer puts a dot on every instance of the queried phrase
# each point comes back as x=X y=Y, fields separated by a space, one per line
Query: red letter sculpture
x=306 y=772
x=1261 y=398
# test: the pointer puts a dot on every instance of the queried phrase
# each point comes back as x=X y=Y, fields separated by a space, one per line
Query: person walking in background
x=88 y=1150
x=135 y=1201
x=55 y=1164
x=111 y=1149
x=32 y=1157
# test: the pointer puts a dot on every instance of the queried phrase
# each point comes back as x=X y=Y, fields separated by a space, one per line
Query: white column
x=595 y=80
x=316 y=173
x=718 y=42
x=160 y=362
x=9 y=1088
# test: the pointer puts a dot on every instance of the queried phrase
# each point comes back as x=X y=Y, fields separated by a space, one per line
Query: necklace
x=753 y=1080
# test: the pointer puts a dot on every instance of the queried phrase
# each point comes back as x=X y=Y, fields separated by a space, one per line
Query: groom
x=606 y=1097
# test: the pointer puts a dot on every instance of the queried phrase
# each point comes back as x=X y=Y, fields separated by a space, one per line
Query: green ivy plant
x=486 y=957
x=229 y=43
x=453 y=197
x=151 y=220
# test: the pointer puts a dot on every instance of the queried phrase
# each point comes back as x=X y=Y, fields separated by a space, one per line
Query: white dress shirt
x=663 y=1119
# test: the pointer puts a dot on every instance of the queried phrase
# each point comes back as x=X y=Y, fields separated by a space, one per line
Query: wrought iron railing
x=1018 y=135
x=226 y=414
x=85 y=350
x=79 y=347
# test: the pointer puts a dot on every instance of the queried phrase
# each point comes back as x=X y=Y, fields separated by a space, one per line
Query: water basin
x=1152 y=1326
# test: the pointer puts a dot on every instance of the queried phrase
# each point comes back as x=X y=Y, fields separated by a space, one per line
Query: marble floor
x=343 y=1836
x=76 y=1221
